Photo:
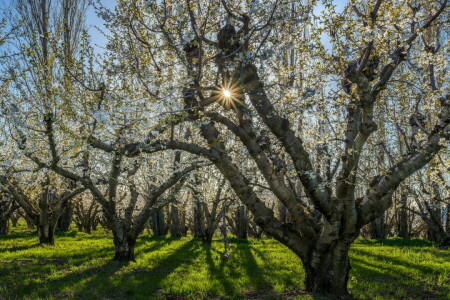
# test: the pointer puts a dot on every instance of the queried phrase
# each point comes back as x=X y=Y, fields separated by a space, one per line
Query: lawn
x=80 y=266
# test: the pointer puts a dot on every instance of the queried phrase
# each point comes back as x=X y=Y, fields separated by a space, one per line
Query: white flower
x=102 y=117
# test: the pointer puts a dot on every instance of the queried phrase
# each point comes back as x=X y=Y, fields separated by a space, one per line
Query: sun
x=227 y=93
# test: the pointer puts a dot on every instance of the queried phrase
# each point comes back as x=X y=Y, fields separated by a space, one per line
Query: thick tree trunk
x=327 y=272
x=46 y=233
x=4 y=225
x=175 y=230
x=124 y=247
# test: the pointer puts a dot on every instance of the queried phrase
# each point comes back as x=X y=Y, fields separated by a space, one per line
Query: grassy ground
x=80 y=266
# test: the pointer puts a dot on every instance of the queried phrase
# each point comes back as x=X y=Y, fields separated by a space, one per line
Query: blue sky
x=96 y=25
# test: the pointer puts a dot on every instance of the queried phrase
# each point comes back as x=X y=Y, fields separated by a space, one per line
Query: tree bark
x=124 y=246
x=46 y=233
x=242 y=223
x=198 y=220
x=327 y=271
x=158 y=223
x=403 y=217
x=378 y=228
x=4 y=225
x=175 y=230
x=65 y=219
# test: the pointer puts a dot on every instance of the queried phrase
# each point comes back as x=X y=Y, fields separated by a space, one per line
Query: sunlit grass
x=80 y=266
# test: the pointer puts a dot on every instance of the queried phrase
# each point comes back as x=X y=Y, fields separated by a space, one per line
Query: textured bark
x=242 y=223
x=327 y=271
x=46 y=233
x=124 y=246
x=175 y=230
x=198 y=226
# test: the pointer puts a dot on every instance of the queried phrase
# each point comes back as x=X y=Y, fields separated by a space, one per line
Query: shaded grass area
x=79 y=266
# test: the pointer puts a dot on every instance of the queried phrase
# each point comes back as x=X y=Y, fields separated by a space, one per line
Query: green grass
x=80 y=266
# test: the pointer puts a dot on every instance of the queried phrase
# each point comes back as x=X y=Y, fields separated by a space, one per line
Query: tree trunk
x=30 y=223
x=242 y=223
x=378 y=228
x=46 y=233
x=207 y=236
x=327 y=271
x=403 y=217
x=124 y=246
x=4 y=225
x=14 y=220
x=158 y=224
x=65 y=219
x=199 y=231
x=175 y=230
x=183 y=227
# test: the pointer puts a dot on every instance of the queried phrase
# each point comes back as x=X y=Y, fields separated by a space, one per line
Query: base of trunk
x=46 y=240
x=328 y=274
x=124 y=250
x=46 y=234
x=124 y=256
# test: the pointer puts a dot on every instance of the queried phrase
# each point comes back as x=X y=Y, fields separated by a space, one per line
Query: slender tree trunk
x=199 y=231
x=447 y=221
x=175 y=230
x=242 y=223
x=403 y=217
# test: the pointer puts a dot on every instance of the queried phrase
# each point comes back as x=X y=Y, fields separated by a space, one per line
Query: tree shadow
x=392 y=260
x=253 y=270
x=395 y=242
x=20 y=248
x=216 y=270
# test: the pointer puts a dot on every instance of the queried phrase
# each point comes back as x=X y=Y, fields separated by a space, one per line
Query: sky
x=95 y=24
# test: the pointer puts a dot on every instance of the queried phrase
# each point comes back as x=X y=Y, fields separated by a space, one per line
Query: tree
x=244 y=104
x=43 y=205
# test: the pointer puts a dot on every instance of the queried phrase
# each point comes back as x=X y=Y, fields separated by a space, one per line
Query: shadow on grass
x=216 y=270
x=395 y=242
x=20 y=248
x=390 y=280
x=254 y=272
x=383 y=260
